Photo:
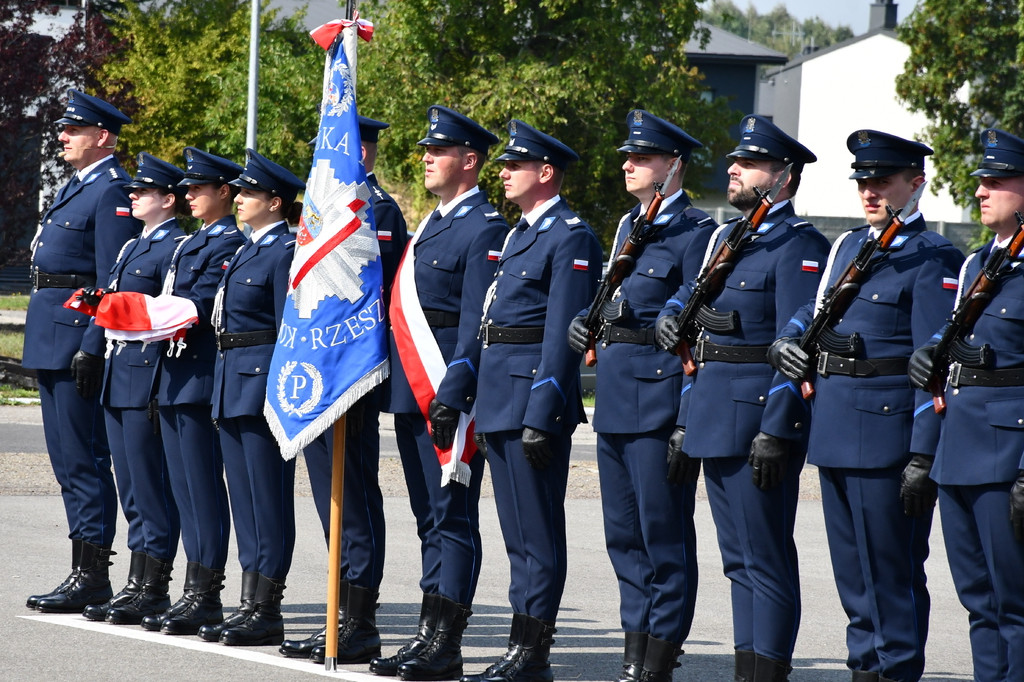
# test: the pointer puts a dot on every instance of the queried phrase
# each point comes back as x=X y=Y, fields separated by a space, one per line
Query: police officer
x=363 y=532
x=979 y=466
x=648 y=504
x=246 y=317
x=77 y=243
x=435 y=317
x=185 y=388
x=530 y=398
x=868 y=423
x=751 y=437
x=129 y=387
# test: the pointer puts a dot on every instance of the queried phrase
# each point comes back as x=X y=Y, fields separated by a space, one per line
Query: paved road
x=33 y=556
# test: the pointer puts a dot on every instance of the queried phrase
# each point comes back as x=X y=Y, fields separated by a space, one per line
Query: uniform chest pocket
x=746 y=291
x=144 y=277
x=651 y=284
x=878 y=310
x=527 y=281
x=1002 y=321
x=250 y=292
x=74 y=233
x=438 y=273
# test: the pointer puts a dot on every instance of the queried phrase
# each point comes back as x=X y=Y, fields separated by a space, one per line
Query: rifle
x=712 y=277
x=841 y=294
x=623 y=264
x=967 y=313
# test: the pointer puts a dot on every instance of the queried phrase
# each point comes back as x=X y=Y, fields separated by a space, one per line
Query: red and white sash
x=424 y=365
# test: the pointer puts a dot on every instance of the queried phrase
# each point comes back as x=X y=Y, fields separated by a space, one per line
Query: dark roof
x=724 y=46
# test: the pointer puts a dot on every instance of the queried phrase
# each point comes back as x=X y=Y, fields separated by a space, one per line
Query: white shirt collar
x=536 y=213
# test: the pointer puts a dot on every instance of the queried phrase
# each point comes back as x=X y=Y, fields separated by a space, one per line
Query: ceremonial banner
x=332 y=344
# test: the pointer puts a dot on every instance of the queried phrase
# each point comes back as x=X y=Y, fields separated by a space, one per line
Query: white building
x=822 y=97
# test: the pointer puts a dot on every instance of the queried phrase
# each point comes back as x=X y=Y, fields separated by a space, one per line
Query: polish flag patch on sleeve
x=494 y=255
x=949 y=283
x=384 y=235
x=580 y=264
x=225 y=265
x=123 y=211
x=809 y=266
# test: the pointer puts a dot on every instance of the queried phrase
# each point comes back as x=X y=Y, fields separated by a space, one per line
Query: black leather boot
x=136 y=571
x=515 y=639
x=441 y=659
x=659 y=660
x=428 y=620
x=76 y=557
x=864 y=676
x=770 y=670
x=264 y=625
x=633 y=656
x=302 y=648
x=744 y=666
x=90 y=586
x=153 y=598
x=211 y=633
x=526 y=660
x=155 y=621
x=202 y=608
x=358 y=638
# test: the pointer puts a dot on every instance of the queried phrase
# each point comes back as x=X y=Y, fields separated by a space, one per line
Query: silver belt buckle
x=823 y=363
x=699 y=354
x=954 y=374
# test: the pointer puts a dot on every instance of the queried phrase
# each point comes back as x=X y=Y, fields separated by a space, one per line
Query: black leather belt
x=441 y=318
x=641 y=337
x=243 y=339
x=493 y=334
x=971 y=376
x=47 y=281
x=829 y=363
x=714 y=352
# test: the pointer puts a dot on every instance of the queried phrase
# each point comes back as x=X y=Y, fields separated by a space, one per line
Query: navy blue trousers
x=649 y=532
x=987 y=564
x=76 y=440
x=196 y=470
x=755 y=537
x=261 y=488
x=362 y=516
x=447 y=518
x=141 y=470
x=531 y=510
x=878 y=556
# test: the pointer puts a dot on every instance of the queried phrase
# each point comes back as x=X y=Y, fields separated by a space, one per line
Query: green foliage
x=964 y=74
x=573 y=69
x=777 y=29
x=187 y=63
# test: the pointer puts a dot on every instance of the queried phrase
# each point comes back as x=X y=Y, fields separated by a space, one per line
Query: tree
x=964 y=74
x=569 y=67
x=185 y=64
x=32 y=95
x=778 y=29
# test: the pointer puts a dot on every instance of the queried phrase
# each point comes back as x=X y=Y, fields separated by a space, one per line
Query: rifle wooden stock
x=841 y=294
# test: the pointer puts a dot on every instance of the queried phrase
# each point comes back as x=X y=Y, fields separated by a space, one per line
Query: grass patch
x=12 y=344
x=589 y=398
x=9 y=395
x=13 y=302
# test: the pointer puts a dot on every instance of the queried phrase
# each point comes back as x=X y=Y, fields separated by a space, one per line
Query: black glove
x=1017 y=506
x=788 y=357
x=579 y=335
x=667 y=333
x=444 y=421
x=537 y=448
x=153 y=415
x=481 y=442
x=681 y=467
x=917 y=490
x=921 y=366
x=768 y=457
x=91 y=296
x=354 y=416
x=87 y=371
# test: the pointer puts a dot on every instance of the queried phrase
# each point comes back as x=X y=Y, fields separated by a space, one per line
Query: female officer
x=128 y=390
x=185 y=388
x=246 y=317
